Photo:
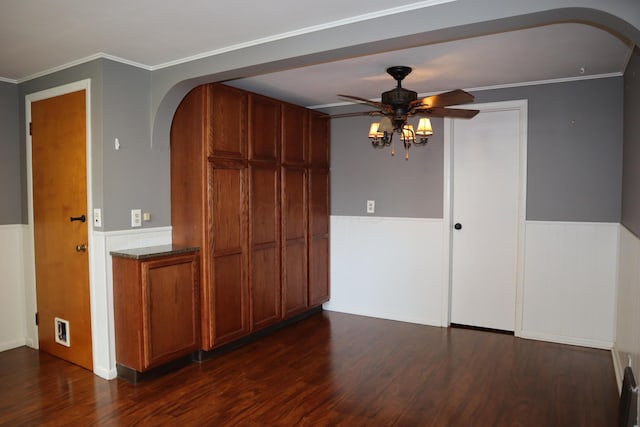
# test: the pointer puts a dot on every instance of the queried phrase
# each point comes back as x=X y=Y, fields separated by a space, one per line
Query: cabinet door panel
x=266 y=299
x=319 y=202
x=227 y=206
x=227 y=295
x=294 y=203
x=318 y=140
x=171 y=309
x=265 y=244
x=264 y=128
x=227 y=122
x=318 y=236
x=294 y=134
x=318 y=271
x=265 y=201
x=229 y=299
x=295 y=277
x=294 y=220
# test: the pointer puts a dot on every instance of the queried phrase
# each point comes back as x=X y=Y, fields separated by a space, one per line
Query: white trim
x=521 y=107
x=560 y=339
x=617 y=368
x=306 y=30
x=99 y=55
x=256 y=42
x=30 y=285
x=3 y=79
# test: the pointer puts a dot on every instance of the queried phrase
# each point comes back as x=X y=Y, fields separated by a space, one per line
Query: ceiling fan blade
x=445 y=99
x=361 y=113
x=455 y=113
x=378 y=105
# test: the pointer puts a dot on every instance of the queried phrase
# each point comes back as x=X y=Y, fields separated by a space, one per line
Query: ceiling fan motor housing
x=399 y=98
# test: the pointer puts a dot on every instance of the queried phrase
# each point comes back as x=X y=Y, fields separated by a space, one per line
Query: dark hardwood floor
x=332 y=369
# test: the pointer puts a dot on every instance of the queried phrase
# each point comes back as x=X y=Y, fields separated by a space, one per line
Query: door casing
x=520 y=106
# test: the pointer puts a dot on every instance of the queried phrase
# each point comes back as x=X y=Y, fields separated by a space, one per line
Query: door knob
x=81 y=248
x=458 y=226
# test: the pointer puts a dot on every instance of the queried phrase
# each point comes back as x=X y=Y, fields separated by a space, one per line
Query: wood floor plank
x=332 y=369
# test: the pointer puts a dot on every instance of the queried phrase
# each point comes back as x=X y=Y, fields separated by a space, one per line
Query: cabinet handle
x=81 y=248
x=81 y=218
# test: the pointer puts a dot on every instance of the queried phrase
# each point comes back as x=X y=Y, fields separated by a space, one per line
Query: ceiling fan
x=399 y=103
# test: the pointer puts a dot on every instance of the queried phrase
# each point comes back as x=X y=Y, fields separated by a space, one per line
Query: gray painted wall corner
x=631 y=168
x=11 y=167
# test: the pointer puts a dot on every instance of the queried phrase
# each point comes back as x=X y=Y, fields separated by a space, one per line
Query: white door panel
x=485 y=203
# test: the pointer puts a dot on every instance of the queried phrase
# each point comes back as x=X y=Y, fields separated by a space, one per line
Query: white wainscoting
x=389 y=268
x=626 y=351
x=12 y=297
x=570 y=283
x=104 y=353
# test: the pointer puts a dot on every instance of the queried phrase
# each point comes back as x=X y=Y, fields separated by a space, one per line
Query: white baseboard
x=617 y=368
x=581 y=342
x=12 y=344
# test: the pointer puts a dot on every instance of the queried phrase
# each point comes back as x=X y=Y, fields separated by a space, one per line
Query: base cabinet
x=156 y=305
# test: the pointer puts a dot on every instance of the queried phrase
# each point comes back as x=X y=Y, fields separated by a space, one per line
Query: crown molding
x=99 y=55
x=306 y=30
x=5 y=80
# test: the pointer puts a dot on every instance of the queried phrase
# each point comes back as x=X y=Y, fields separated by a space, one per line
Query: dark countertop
x=153 y=251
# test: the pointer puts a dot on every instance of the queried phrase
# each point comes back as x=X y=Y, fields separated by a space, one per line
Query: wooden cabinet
x=243 y=181
x=156 y=305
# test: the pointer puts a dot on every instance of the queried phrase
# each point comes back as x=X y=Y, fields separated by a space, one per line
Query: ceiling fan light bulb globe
x=373 y=130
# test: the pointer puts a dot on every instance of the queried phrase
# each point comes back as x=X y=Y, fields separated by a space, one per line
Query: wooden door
x=227 y=117
x=61 y=259
x=294 y=131
x=226 y=296
x=486 y=152
x=294 y=240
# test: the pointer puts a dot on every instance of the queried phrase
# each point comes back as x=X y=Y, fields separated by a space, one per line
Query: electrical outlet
x=97 y=217
x=136 y=217
x=371 y=206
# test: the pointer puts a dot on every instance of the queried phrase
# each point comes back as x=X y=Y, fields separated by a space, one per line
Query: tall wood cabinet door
x=227 y=294
x=294 y=135
x=294 y=240
x=264 y=199
x=171 y=308
x=318 y=140
x=226 y=122
x=264 y=128
x=318 y=236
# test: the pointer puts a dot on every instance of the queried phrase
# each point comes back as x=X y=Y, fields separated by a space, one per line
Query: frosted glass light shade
x=424 y=127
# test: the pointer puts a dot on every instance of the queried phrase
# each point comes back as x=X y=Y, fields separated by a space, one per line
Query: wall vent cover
x=62 y=331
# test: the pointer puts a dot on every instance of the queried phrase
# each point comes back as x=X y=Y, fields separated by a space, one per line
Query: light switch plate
x=97 y=217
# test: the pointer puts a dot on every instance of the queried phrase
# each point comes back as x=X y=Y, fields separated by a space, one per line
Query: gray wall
x=10 y=164
x=400 y=188
x=574 y=158
x=631 y=166
x=136 y=176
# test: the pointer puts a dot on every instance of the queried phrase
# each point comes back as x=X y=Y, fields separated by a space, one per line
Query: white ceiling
x=37 y=35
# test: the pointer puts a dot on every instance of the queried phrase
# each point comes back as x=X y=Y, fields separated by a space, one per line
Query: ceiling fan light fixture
x=379 y=138
x=424 y=131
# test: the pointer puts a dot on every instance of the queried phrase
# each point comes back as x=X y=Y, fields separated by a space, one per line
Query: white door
x=485 y=216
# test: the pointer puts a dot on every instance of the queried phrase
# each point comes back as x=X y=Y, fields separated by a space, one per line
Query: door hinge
x=30 y=128
x=36 y=319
